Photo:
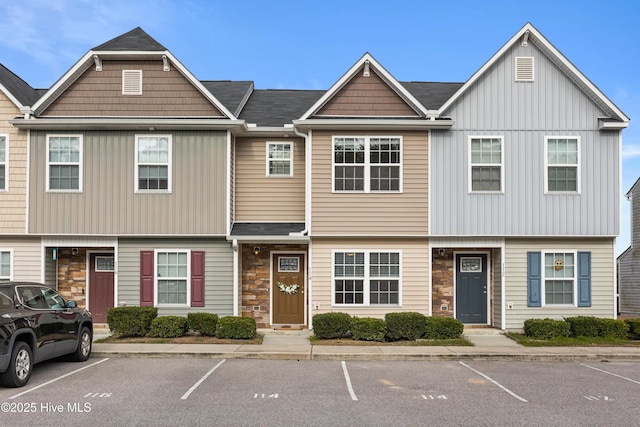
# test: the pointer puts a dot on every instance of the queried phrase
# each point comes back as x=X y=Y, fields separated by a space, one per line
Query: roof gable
x=16 y=89
x=134 y=40
x=366 y=89
x=529 y=34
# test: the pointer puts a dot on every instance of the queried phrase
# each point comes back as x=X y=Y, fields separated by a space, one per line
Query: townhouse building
x=131 y=182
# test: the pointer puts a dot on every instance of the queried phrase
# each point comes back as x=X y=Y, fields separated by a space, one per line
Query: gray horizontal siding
x=108 y=204
x=523 y=114
x=629 y=282
x=218 y=272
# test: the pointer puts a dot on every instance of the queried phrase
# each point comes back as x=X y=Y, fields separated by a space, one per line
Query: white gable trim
x=533 y=35
x=373 y=64
x=88 y=60
x=12 y=98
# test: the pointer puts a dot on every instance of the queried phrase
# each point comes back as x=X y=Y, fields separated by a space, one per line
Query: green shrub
x=131 y=321
x=204 y=323
x=234 y=327
x=442 y=328
x=634 y=328
x=367 y=329
x=611 y=328
x=546 y=329
x=584 y=326
x=405 y=325
x=587 y=326
x=168 y=327
x=331 y=325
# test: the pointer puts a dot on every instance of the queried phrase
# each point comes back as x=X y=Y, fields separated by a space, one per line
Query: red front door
x=101 y=286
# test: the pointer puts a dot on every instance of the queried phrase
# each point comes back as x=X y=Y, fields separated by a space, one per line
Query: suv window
x=31 y=297
x=52 y=298
x=6 y=302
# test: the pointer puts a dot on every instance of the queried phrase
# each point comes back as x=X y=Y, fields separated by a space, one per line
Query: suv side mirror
x=72 y=304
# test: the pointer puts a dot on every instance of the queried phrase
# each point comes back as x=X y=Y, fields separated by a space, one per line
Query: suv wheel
x=83 y=351
x=20 y=366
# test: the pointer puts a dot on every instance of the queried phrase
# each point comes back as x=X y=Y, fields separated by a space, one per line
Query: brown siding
x=13 y=202
x=260 y=198
x=108 y=203
x=382 y=214
x=366 y=96
x=164 y=93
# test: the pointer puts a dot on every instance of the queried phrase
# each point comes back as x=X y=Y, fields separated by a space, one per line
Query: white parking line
x=201 y=380
x=610 y=373
x=495 y=382
x=346 y=377
x=56 y=379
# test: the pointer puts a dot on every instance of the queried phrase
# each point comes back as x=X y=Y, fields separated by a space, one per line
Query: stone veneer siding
x=72 y=275
x=256 y=280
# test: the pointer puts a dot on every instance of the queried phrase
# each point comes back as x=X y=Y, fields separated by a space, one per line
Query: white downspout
x=307 y=219
x=234 y=245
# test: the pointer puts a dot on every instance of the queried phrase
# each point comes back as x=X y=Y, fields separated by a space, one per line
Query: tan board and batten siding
x=164 y=93
x=371 y=214
x=218 y=296
x=262 y=198
x=414 y=272
x=108 y=203
x=13 y=202
x=602 y=279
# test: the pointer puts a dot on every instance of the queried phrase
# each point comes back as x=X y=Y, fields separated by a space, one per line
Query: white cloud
x=630 y=151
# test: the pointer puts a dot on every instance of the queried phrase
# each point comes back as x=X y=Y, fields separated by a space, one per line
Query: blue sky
x=300 y=44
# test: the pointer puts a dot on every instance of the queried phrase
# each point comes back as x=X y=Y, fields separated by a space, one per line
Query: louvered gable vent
x=132 y=82
x=524 y=68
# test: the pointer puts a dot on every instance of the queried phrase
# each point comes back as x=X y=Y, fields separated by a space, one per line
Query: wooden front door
x=288 y=289
x=101 y=271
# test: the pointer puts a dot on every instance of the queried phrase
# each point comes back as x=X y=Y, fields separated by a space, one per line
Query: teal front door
x=471 y=288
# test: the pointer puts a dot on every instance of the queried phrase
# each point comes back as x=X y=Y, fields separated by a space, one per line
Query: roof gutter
x=373 y=124
x=142 y=123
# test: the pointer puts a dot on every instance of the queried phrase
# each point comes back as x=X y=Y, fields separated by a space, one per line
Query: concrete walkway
x=295 y=345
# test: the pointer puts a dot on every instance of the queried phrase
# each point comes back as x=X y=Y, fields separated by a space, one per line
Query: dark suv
x=37 y=324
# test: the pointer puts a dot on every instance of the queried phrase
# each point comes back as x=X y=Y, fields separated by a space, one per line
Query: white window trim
x=155 y=277
x=128 y=77
x=366 y=165
x=366 y=288
x=546 y=165
x=268 y=145
x=543 y=291
x=11 y=264
x=471 y=164
x=169 y=165
x=6 y=162
x=80 y=163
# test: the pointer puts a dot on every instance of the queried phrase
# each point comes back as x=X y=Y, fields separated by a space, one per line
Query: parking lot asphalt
x=295 y=345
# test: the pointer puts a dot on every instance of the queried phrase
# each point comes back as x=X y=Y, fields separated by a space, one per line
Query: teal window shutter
x=534 y=279
x=584 y=279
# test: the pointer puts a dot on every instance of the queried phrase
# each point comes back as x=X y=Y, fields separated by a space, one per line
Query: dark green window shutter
x=584 y=279
x=534 y=279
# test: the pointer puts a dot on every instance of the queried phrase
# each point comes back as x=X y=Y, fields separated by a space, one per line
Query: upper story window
x=4 y=162
x=5 y=265
x=486 y=164
x=279 y=159
x=132 y=82
x=562 y=164
x=367 y=164
x=64 y=165
x=153 y=163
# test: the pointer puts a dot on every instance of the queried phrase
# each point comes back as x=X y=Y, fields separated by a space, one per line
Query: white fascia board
x=12 y=98
x=416 y=124
x=536 y=37
x=350 y=73
x=157 y=123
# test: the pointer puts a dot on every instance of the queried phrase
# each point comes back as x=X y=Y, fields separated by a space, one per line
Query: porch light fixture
x=441 y=252
x=256 y=250
x=74 y=251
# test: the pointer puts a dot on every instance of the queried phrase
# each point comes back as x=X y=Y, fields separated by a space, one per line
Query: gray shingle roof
x=266 y=228
x=24 y=93
x=274 y=107
x=135 y=40
x=432 y=95
x=232 y=94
